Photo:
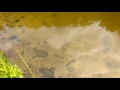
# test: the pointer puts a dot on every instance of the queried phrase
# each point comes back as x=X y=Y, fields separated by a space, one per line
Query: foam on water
x=95 y=50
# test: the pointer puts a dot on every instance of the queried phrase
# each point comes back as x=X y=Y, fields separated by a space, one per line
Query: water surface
x=63 y=44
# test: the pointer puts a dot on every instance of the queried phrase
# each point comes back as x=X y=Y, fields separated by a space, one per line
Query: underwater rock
x=45 y=42
x=14 y=38
x=28 y=43
x=33 y=57
x=40 y=53
x=47 y=73
x=59 y=56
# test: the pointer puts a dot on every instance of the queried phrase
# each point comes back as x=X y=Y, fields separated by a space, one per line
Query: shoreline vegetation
x=9 y=70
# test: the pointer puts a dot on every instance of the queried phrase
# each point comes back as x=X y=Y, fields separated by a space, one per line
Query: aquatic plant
x=8 y=70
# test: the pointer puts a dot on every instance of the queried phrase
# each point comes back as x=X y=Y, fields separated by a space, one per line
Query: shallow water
x=88 y=50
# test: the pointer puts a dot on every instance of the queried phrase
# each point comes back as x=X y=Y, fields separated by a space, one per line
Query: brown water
x=63 y=44
x=110 y=20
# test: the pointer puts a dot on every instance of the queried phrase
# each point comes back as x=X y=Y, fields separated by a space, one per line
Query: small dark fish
x=14 y=38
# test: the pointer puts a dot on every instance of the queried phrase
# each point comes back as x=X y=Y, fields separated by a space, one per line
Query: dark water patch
x=28 y=43
x=14 y=38
x=33 y=57
x=47 y=72
x=44 y=23
x=17 y=20
x=58 y=56
x=40 y=53
x=45 y=42
x=22 y=16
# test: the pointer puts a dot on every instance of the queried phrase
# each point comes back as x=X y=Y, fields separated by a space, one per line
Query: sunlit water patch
x=89 y=51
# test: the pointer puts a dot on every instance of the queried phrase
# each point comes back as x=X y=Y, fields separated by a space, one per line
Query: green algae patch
x=8 y=70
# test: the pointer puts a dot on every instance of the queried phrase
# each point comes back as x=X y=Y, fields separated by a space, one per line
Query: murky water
x=69 y=47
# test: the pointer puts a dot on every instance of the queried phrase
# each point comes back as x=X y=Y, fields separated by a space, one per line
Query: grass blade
x=26 y=64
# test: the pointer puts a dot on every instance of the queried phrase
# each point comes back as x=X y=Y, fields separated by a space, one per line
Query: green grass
x=8 y=70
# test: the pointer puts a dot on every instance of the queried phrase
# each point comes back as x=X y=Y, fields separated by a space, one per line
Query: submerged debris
x=47 y=73
x=14 y=38
x=40 y=53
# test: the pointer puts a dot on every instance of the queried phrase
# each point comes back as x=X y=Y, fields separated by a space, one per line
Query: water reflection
x=110 y=20
x=81 y=51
